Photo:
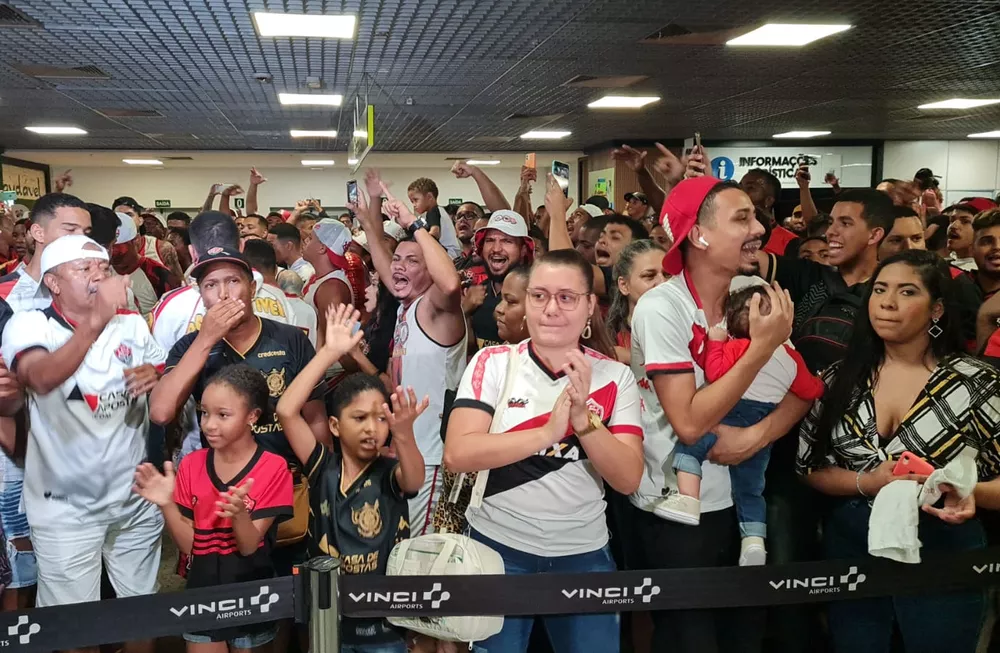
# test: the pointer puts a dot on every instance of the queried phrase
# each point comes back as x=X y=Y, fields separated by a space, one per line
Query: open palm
x=153 y=486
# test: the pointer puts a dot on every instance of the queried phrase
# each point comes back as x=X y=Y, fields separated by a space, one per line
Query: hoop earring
x=586 y=331
x=934 y=329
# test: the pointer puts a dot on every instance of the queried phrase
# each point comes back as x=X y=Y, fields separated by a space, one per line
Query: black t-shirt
x=360 y=526
x=484 y=325
x=279 y=353
x=433 y=217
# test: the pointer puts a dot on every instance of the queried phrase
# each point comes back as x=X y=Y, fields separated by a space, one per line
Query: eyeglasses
x=566 y=300
x=468 y=215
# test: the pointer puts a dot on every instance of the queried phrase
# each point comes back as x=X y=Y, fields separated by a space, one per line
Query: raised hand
x=555 y=200
x=63 y=181
x=373 y=183
x=668 y=164
x=233 y=502
x=802 y=176
x=221 y=318
x=630 y=156
x=230 y=191
x=111 y=295
x=462 y=170
x=472 y=298
x=342 y=332
x=256 y=179
x=697 y=164
x=405 y=410
x=153 y=486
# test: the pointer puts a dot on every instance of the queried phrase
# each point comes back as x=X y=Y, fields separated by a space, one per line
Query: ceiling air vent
x=11 y=17
x=606 y=81
x=130 y=113
x=56 y=72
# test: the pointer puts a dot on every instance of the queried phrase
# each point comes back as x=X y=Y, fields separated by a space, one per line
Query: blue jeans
x=747 y=478
x=928 y=623
x=568 y=633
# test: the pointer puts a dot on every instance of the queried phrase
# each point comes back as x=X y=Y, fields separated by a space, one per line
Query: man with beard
x=502 y=245
x=429 y=341
x=986 y=250
x=150 y=246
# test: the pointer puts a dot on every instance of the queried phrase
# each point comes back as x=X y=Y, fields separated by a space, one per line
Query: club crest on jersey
x=124 y=354
x=368 y=520
x=515 y=402
x=595 y=408
x=276 y=382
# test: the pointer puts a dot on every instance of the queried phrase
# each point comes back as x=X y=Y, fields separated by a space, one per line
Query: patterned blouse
x=959 y=407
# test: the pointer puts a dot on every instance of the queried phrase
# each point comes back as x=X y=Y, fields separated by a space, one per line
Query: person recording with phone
x=907 y=392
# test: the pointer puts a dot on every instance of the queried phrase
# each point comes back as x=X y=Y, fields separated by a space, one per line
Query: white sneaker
x=680 y=508
x=752 y=553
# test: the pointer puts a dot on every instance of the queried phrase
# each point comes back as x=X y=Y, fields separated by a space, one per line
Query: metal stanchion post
x=324 y=604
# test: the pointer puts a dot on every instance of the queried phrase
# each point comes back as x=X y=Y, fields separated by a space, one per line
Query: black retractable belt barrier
x=320 y=595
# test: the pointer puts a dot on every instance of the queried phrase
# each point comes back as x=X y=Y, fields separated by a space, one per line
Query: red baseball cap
x=679 y=213
x=980 y=203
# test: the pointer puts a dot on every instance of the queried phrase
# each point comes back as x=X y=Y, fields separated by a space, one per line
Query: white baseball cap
x=362 y=239
x=335 y=237
x=510 y=223
x=127 y=231
x=70 y=248
x=591 y=210
x=393 y=230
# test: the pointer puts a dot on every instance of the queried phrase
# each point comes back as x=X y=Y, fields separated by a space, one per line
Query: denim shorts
x=24 y=571
x=243 y=641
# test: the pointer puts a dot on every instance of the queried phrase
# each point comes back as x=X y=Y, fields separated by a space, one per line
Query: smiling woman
x=906 y=388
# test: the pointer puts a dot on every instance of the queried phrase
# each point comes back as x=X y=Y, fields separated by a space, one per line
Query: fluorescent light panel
x=545 y=134
x=958 y=103
x=351 y=162
x=360 y=133
x=801 y=134
x=485 y=162
x=57 y=131
x=317 y=162
x=331 y=27
x=993 y=134
x=623 y=102
x=143 y=162
x=306 y=133
x=328 y=100
x=786 y=35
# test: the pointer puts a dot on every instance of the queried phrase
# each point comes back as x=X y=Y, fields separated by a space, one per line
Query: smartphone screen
x=352 y=191
x=9 y=197
x=560 y=171
x=688 y=146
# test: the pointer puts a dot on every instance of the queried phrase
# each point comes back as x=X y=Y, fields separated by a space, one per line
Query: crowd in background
x=688 y=380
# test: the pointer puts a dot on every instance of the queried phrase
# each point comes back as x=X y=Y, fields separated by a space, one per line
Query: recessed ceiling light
x=993 y=134
x=306 y=133
x=623 y=102
x=317 y=162
x=485 y=162
x=545 y=134
x=360 y=133
x=333 y=27
x=352 y=162
x=800 y=134
x=311 y=99
x=958 y=103
x=784 y=34
x=143 y=162
x=57 y=131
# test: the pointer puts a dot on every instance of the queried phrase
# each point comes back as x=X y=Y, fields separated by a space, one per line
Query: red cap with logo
x=980 y=203
x=679 y=213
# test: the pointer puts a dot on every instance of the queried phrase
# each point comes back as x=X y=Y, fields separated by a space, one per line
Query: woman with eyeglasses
x=549 y=418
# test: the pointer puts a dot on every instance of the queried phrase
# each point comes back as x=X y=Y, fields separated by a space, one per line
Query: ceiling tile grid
x=443 y=73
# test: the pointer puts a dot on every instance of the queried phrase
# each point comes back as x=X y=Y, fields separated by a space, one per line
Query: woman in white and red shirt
x=568 y=419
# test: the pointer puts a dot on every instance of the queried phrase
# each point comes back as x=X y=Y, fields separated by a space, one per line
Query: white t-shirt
x=303 y=314
x=551 y=503
x=86 y=436
x=303 y=268
x=431 y=369
x=669 y=331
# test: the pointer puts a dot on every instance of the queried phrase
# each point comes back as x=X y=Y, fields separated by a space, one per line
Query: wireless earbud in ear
x=701 y=239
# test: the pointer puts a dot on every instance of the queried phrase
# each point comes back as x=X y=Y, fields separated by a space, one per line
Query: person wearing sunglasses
x=551 y=418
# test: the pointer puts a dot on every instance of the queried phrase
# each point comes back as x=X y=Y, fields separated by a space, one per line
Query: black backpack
x=822 y=338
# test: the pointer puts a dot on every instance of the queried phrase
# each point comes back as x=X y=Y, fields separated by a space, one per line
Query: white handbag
x=446 y=554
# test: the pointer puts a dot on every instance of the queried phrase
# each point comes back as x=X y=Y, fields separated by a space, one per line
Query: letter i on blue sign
x=723 y=168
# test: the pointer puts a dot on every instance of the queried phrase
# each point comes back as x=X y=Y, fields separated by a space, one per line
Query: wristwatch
x=593 y=423
x=419 y=223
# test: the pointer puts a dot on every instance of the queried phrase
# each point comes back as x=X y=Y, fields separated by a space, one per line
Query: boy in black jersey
x=358 y=498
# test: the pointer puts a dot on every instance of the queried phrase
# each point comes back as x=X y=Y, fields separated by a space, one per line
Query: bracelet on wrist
x=857 y=483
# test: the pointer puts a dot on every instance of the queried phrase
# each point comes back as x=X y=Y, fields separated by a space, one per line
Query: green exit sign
x=455 y=200
x=162 y=204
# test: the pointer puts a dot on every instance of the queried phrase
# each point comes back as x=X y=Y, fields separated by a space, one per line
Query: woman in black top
x=905 y=386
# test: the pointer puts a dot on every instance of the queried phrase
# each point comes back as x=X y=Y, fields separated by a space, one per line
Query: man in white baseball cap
x=87 y=367
x=331 y=285
x=502 y=244
x=126 y=261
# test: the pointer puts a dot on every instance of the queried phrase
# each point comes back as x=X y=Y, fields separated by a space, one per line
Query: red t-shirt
x=780 y=237
x=215 y=557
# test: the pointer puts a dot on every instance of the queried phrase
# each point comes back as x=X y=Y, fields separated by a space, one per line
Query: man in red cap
x=715 y=235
